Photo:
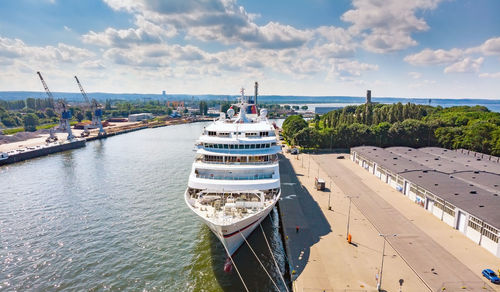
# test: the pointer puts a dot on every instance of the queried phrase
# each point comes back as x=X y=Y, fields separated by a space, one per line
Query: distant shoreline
x=76 y=96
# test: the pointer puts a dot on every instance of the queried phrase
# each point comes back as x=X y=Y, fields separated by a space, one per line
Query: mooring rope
x=262 y=265
x=234 y=264
x=276 y=263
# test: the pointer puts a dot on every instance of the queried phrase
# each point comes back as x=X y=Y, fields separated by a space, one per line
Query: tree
x=307 y=137
x=79 y=116
x=9 y=121
x=224 y=107
x=295 y=107
x=108 y=105
x=40 y=115
x=287 y=107
x=449 y=137
x=304 y=107
x=88 y=115
x=31 y=103
x=381 y=134
x=50 y=113
x=30 y=121
x=203 y=107
x=292 y=125
x=477 y=136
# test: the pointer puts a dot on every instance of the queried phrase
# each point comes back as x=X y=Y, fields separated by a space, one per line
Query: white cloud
x=67 y=28
x=17 y=49
x=437 y=57
x=422 y=84
x=467 y=65
x=354 y=68
x=11 y=48
x=145 y=33
x=415 y=75
x=489 y=47
x=459 y=60
x=386 y=26
x=490 y=75
x=215 y=20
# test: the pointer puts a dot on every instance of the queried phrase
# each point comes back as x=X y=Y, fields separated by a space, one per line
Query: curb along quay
x=395 y=245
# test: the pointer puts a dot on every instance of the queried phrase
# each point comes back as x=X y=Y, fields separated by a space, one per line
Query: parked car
x=490 y=275
x=340 y=157
x=294 y=151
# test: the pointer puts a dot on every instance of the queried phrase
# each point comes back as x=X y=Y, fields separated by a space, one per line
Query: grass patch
x=12 y=131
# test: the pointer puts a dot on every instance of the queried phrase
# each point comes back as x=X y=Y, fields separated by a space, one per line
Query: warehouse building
x=459 y=187
x=140 y=117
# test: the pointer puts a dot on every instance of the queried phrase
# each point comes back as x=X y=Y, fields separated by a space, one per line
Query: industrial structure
x=140 y=117
x=368 y=97
x=460 y=187
x=96 y=109
x=62 y=109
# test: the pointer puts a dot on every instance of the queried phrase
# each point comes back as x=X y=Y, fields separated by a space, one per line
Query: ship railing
x=224 y=177
x=239 y=163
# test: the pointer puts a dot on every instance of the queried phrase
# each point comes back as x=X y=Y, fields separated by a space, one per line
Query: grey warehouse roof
x=390 y=161
x=468 y=182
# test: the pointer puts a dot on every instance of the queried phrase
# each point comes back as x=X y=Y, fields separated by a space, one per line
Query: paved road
x=298 y=208
x=430 y=261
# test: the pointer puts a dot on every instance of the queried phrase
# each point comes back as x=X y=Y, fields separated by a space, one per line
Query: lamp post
x=379 y=284
x=309 y=164
x=349 y=215
x=329 y=193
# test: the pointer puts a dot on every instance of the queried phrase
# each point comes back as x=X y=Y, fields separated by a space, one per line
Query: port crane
x=96 y=112
x=62 y=109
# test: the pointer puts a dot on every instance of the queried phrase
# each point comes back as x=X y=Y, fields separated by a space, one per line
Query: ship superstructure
x=235 y=181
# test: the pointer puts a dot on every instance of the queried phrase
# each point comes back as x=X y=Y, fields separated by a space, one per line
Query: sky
x=420 y=48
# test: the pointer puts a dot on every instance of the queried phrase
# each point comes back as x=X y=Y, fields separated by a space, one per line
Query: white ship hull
x=235 y=181
x=233 y=235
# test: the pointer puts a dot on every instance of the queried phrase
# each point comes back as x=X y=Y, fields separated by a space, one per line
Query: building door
x=461 y=222
x=430 y=205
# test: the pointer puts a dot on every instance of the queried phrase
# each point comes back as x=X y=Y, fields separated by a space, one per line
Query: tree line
x=475 y=128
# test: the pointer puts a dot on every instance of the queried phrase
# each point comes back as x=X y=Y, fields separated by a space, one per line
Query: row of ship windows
x=239 y=146
x=241 y=159
x=247 y=134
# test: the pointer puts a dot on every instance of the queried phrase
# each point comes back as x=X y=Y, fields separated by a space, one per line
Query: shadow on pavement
x=298 y=209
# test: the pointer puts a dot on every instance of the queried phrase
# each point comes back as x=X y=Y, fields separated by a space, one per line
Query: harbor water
x=111 y=216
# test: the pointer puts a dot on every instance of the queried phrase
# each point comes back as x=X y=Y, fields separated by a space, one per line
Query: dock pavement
x=320 y=257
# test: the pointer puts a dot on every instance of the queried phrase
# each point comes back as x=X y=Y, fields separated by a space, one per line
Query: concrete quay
x=321 y=259
x=115 y=129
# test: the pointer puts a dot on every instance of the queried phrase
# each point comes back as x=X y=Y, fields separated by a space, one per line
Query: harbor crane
x=62 y=109
x=96 y=109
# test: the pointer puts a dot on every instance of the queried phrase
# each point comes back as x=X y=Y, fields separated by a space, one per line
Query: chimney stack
x=368 y=96
x=256 y=91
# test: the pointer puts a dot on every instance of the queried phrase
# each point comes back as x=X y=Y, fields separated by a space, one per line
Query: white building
x=140 y=117
x=459 y=187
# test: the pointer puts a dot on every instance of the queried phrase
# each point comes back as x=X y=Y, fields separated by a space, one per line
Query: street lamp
x=329 y=193
x=379 y=284
x=349 y=215
x=309 y=164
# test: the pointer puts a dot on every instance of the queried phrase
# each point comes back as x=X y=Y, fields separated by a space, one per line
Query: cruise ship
x=235 y=182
